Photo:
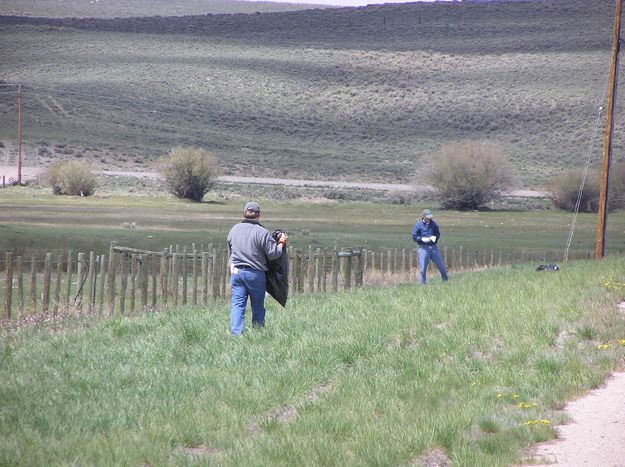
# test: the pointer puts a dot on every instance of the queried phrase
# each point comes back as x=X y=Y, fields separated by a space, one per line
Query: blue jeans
x=427 y=253
x=247 y=282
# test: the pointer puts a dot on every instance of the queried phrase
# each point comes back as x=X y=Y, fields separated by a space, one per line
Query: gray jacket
x=251 y=245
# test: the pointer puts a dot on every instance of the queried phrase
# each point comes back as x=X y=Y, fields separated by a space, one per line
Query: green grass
x=360 y=94
x=378 y=377
x=33 y=221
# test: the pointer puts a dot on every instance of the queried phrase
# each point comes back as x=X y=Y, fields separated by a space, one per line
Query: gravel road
x=32 y=172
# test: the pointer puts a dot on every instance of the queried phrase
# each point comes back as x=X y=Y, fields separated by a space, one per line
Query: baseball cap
x=252 y=206
x=427 y=213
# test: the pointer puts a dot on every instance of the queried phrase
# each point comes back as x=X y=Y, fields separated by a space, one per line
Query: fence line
x=128 y=280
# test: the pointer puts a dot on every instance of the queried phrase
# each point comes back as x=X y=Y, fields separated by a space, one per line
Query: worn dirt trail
x=596 y=435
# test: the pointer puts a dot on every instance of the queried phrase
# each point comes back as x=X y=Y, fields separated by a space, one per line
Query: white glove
x=433 y=238
x=426 y=239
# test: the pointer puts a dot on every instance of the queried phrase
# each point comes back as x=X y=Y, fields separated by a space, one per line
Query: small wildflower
x=537 y=422
x=612 y=283
x=499 y=396
x=526 y=405
x=603 y=346
x=621 y=341
x=515 y=396
x=473 y=383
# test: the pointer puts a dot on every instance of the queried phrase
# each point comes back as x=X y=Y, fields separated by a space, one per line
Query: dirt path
x=32 y=172
x=596 y=434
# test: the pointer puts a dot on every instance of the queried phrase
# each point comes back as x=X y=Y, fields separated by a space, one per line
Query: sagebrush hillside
x=353 y=93
x=134 y=8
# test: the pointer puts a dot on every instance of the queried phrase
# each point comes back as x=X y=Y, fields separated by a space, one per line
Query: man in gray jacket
x=251 y=248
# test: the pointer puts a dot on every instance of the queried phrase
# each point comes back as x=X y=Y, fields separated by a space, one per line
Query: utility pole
x=602 y=220
x=19 y=134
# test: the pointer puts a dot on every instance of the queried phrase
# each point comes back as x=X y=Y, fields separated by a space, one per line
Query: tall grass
x=473 y=370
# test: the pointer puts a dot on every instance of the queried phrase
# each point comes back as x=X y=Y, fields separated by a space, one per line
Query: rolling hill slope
x=355 y=93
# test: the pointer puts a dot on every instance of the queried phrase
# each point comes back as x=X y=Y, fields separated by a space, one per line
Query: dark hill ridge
x=357 y=93
x=500 y=27
x=135 y=8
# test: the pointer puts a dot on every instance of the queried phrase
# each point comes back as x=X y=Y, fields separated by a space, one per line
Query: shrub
x=470 y=174
x=564 y=189
x=73 y=178
x=189 y=172
x=616 y=194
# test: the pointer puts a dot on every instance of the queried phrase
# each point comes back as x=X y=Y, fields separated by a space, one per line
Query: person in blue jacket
x=427 y=234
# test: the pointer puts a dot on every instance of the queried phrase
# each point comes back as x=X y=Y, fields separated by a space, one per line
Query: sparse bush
x=73 y=178
x=189 y=172
x=565 y=189
x=616 y=198
x=470 y=174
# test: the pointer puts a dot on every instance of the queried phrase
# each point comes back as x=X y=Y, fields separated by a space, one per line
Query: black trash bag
x=551 y=267
x=278 y=274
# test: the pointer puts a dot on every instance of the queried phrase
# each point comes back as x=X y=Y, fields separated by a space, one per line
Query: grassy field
x=356 y=93
x=33 y=221
x=470 y=372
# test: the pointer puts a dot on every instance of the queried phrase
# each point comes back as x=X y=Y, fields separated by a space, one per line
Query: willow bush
x=470 y=174
x=189 y=173
x=73 y=178
x=565 y=189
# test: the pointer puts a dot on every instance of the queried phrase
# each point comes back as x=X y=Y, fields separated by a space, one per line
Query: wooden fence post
x=164 y=279
x=123 y=284
x=91 y=283
x=194 y=282
x=335 y=270
x=144 y=278
x=68 y=285
x=8 y=285
x=46 y=284
x=360 y=268
x=297 y=270
x=310 y=270
x=404 y=261
x=225 y=273
x=204 y=274
x=102 y=285
x=175 y=274
x=216 y=273
x=20 y=286
x=56 y=300
x=81 y=266
x=154 y=279
x=133 y=282
x=324 y=268
x=185 y=263
x=33 y=286
x=111 y=279
x=302 y=272
x=318 y=267
x=348 y=270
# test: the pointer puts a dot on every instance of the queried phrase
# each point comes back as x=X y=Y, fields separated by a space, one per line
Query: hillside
x=134 y=8
x=354 y=93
